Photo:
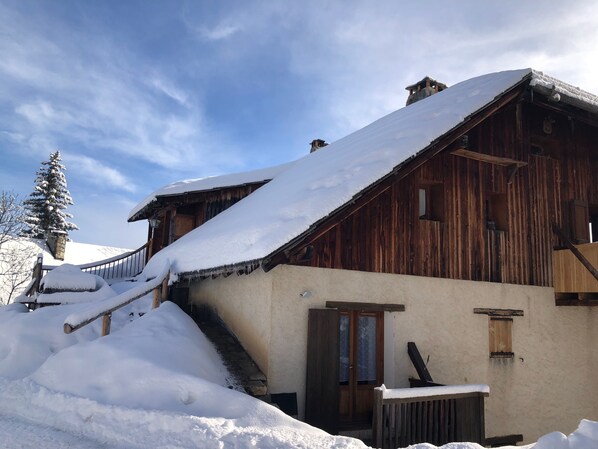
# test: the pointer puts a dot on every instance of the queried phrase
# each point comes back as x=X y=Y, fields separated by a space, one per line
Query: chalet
x=466 y=222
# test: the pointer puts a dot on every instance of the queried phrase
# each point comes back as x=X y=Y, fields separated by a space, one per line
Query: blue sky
x=138 y=94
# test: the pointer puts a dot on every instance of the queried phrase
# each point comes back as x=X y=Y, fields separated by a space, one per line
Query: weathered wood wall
x=387 y=235
x=181 y=214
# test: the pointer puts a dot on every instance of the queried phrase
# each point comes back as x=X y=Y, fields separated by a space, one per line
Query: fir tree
x=47 y=203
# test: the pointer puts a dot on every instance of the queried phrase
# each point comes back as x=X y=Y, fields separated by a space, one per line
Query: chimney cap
x=426 y=82
x=424 y=89
x=316 y=144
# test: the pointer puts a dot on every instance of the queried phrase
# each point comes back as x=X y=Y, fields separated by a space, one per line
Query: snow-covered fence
x=119 y=267
x=104 y=308
x=436 y=415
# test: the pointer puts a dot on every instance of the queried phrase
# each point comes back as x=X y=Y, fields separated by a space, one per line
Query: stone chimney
x=57 y=243
x=423 y=89
x=317 y=144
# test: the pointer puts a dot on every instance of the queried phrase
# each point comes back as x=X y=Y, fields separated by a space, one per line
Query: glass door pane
x=366 y=349
x=344 y=349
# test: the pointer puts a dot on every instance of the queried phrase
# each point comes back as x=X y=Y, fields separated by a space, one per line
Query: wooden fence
x=436 y=415
x=104 y=308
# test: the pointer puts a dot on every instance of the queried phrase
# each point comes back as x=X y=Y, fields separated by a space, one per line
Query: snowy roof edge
x=206 y=184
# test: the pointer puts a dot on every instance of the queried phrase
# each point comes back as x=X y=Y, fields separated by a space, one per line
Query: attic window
x=431 y=202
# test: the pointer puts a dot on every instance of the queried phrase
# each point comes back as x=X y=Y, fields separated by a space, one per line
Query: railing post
x=378 y=418
x=156 y=301
x=106 y=320
x=165 y=287
x=37 y=272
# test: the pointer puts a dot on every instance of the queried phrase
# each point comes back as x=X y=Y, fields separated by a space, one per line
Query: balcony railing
x=436 y=415
x=573 y=280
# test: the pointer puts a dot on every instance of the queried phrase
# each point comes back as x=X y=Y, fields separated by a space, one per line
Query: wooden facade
x=180 y=214
x=490 y=202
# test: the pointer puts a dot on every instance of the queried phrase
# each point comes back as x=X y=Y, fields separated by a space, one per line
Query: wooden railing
x=436 y=415
x=123 y=266
x=104 y=308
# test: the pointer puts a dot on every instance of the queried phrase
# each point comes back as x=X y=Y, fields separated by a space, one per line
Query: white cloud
x=219 y=32
x=94 y=171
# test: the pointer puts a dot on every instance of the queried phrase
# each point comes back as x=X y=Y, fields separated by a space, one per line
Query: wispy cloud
x=98 y=97
x=219 y=32
x=98 y=173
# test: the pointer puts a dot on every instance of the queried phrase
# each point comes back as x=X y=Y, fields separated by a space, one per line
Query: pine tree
x=47 y=203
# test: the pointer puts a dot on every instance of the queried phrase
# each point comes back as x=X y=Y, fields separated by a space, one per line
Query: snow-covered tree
x=15 y=255
x=47 y=203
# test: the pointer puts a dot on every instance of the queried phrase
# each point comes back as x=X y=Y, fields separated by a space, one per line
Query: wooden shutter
x=580 y=222
x=322 y=393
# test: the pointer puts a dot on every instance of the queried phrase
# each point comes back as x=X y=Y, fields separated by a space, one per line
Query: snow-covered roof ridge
x=209 y=183
x=561 y=90
x=319 y=184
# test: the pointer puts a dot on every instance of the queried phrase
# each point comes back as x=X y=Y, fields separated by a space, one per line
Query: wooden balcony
x=574 y=284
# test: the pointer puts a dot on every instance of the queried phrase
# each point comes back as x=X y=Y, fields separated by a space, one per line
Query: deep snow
x=154 y=382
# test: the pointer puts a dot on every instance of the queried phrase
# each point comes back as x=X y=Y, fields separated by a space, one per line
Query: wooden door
x=361 y=365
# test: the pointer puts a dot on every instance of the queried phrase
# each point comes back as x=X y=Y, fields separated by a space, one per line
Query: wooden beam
x=495 y=160
x=498 y=312
x=365 y=306
x=418 y=362
x=585 y=262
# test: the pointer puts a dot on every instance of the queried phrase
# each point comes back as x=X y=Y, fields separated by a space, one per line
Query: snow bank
x=159 y=361
x=68 y=277
x=102 y=291
x=28 y=339
x=155 y=381
x=128 y=295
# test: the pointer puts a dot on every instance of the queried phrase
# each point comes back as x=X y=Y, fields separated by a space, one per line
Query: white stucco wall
x=549 y=385
x=244 y=304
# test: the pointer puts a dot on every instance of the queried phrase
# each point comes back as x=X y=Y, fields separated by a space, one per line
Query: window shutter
x=322 y=393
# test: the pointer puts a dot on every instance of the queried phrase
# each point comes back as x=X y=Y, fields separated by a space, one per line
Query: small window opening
x=537 y=150
x=431 y=202
x=497 y=212
x=582 y=219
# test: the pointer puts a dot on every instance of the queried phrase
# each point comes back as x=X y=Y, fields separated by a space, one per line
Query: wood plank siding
x=494 y=221
x=180 y=214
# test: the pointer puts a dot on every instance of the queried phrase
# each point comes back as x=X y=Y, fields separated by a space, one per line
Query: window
x=500 y=328
x=580 y=222
x=431 y=202
x=500 y=333
x=497 y=212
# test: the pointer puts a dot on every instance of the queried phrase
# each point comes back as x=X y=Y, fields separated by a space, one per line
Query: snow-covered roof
x=205 y=184
x=317 y=185
x=75 y=253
